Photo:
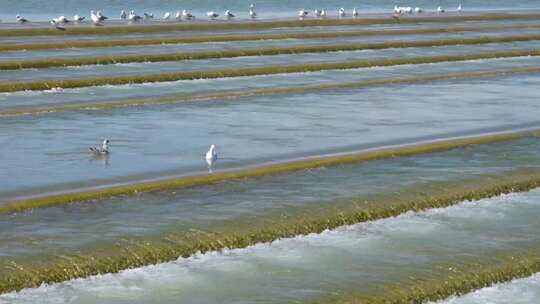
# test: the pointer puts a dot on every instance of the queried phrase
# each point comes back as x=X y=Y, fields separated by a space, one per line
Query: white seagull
x=101 y=16
x=148 y=16
x=418 y=10
x=229 y=14
x=123 y=15
x=178 y=15
x=20 y=19
x=302 y=13
x=323 y=13
x=57 y=25
x=318 y=12
x=104 y=149
x=440 y=10
x=187 y=15
x=166 y=16
x=341 y=12
x=212 y=15
x=62 y=19
x=459 y=8
x=78 y=18
x=95 y=18
x=354 y=12
x=211 y=156
x=134 y=17
x=252 y=13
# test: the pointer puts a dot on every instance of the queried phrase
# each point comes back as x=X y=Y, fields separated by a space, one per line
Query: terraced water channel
x=362 y=257
x=186 y=131
x=380 y=253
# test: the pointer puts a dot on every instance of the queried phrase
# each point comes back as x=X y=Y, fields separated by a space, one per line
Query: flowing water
x=359 y=257
x=48 y=152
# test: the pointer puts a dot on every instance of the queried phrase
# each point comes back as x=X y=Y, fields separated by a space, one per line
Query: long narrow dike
x=255 y=37
x=229 y=95
x=252 y=25
x=240 y=233
x=264 y=170
x=268 y=70
x=231 y=53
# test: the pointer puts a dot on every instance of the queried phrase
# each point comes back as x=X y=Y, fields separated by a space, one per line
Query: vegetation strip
x=449 y=280
x=254 y=37
x=310 y=163
x=228 y=95
x=264 y=70
x=252 y=25
x=240 y=233
x=231 y=53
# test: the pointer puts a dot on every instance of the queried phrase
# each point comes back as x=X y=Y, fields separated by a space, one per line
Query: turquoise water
x=39 y=10
x=358 y=258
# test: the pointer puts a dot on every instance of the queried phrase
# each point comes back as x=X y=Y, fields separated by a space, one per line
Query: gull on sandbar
x=20 y=19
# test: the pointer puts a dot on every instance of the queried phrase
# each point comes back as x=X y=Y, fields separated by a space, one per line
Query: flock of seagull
x=98 y=18
x=210 y=157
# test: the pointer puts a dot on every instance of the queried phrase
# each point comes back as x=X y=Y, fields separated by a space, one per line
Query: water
x=39 y=233
x=39 y=11
x=254 y=61
x=360 y=257
x=520 y=291
x=56 y=145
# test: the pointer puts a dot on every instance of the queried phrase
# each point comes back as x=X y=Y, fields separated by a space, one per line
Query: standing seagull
x=212 y=15
x=103 y=150
x=252 y=13
x=302 y=13
x=134 y=17
x=341 y=12
x=318 y=12
x=229 y=14
x=94 y=17
x=440 y=10
x=123 y=15
x=354 y=12
x=20 y=19
x=78 y=18
x=187 y=15
x=166 y=16
x=178 y=15
x=211 y=156
x=323 y=13
x=459 y=8
x=101 y=16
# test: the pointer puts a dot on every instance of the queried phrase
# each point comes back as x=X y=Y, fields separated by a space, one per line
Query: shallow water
x=521 y=291
x=360 y=257
x=39 y=233
x=220 y=46
x=131 y=69
x=56 y=145
x=23 y=99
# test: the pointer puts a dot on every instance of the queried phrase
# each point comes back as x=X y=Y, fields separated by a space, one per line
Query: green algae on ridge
x=309 y=163
x=251 y=25
x=240 y=233
x=264 y=70
x=228 y=95
x=450 y=280
x=270 y=51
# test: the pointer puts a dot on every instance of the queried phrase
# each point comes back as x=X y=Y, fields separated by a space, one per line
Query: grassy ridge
x=240 y=233
x=252 y=37
x=184 y=182
x=228 y=95
x=265 y=70
x=231 y=53
x=251 y=25
x=449 y=280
